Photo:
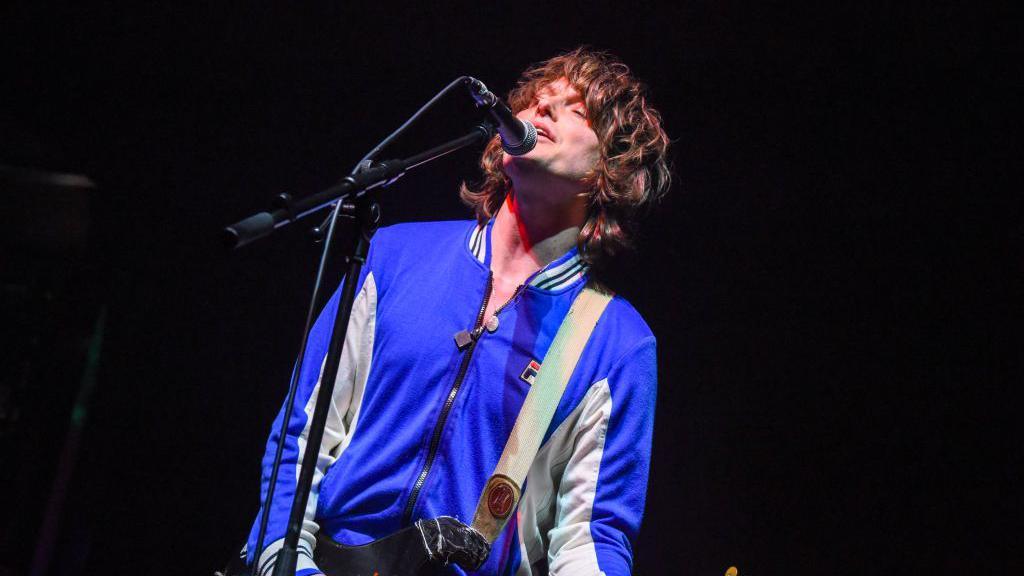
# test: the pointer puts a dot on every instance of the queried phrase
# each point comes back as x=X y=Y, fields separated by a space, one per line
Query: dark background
x=827 y=279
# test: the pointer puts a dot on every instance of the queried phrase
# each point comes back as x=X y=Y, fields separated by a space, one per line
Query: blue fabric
x=430 y=286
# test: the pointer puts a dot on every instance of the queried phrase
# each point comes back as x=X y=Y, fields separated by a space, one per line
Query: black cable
x=372 y=154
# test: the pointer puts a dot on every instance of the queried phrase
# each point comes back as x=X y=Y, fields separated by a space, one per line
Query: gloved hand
x=448 y=540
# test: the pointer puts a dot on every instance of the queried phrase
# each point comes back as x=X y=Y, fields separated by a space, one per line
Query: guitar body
x=400 y=554
x=403 y=553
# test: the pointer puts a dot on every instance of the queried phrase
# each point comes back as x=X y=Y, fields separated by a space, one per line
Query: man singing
x=451 y=324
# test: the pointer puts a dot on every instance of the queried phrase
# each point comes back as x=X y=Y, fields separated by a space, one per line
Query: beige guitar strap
x=503 y=490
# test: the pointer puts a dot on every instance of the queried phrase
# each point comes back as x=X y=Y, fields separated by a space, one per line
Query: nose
x=544 y=107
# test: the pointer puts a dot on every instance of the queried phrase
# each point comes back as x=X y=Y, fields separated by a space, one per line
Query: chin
x=526 y=164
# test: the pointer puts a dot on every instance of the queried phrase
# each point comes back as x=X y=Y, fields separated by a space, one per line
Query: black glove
x=448 y=540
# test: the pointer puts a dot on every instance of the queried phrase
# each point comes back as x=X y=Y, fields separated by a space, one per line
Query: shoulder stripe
x=475 y=242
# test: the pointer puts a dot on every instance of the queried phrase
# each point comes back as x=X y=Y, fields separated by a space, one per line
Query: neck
x=528 y=236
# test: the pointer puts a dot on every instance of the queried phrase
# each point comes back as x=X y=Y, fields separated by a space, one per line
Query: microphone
x=518 y=137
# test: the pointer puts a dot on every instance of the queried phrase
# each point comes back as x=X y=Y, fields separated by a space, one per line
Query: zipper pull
x=463 y=338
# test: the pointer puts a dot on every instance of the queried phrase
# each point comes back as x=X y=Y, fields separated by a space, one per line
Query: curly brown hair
x=632 y=171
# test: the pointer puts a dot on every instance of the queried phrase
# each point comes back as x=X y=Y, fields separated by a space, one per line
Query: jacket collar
x=563 y=272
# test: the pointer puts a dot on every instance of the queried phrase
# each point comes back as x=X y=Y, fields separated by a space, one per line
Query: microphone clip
x=483 y=97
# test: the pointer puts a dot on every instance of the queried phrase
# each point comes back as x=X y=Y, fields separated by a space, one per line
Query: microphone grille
x=528 y=143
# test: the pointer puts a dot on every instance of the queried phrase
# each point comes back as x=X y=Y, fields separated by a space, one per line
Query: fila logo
x=530 y=373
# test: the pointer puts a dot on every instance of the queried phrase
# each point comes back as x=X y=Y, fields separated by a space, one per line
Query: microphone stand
x=352 y=197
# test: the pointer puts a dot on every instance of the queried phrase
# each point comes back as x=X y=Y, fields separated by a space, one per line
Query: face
x=567 y=147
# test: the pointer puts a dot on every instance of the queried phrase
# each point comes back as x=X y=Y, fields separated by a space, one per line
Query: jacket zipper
x=435 y=438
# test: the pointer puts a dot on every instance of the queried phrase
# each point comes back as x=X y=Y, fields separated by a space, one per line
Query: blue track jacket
x=416 y=429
